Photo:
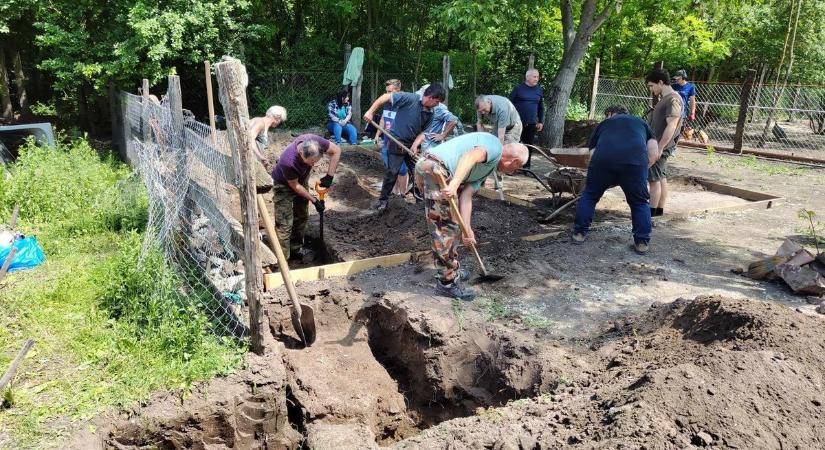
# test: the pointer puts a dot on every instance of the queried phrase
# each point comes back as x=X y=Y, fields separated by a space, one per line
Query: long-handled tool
x=303 y=316
x=322 y=192
x=485 y=277
x=395 y=140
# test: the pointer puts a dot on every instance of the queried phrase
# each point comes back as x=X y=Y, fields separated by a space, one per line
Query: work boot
x=380 y=205
x=641 y=248
x=453 y=290
x=578 y=238
x=463 y=275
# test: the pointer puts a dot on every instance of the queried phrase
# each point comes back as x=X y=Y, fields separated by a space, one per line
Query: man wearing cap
x=464 y=162
x=687 y=91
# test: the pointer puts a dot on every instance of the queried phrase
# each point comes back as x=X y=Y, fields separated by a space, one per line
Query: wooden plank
x=494 y=195
x=724 y=189
x=789 y=157
x=346 y=268
x=761 y=204
x=9 y=374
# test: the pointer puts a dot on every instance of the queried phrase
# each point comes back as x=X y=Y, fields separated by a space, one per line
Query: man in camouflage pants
x=464 y=162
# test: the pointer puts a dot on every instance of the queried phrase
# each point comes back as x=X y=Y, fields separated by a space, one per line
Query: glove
x=319 y=206
x=326 y=181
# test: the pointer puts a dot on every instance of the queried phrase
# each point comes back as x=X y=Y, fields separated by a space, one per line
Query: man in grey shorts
x=664 y=120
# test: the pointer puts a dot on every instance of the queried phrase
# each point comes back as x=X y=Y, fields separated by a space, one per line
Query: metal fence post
x=231 y=74
x=592 y=114
x=445 y=76
x=744 y=97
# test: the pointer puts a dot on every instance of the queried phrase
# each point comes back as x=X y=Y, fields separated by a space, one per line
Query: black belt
x=509 y=128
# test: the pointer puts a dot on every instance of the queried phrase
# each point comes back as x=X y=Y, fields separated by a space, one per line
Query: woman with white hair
x=259 y=129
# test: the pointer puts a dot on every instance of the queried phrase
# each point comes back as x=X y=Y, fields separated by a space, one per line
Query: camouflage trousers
x=444 y=231
x=291 y=216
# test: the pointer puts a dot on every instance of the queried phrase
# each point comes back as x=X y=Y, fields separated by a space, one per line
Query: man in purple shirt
x=290 y=193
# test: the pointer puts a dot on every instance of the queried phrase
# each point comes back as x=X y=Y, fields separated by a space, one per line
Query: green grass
x=108 y=330
x=754 y=164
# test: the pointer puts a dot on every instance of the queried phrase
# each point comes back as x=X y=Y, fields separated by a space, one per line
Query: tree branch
x=602 y=17
x=567 y=25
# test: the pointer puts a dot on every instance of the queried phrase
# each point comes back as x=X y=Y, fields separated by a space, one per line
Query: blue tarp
x=29 y=254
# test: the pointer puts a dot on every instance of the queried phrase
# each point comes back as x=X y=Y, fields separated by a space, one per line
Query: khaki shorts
x=659 y=169
x=513 y=135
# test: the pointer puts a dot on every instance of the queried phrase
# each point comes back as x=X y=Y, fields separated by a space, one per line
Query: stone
x=802 y=280
x=821 y=308
x=702 y=439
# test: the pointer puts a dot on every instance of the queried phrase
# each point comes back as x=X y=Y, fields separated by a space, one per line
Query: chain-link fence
x=778 y=120
x=194 y=216
x=305 y=94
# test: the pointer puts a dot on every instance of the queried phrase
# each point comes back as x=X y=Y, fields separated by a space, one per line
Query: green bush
x=576 y=111
x=73 y=188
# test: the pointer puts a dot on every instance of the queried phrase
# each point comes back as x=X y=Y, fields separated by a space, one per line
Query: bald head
x=513 y=157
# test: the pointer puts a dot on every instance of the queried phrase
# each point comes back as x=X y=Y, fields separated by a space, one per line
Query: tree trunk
x=6 y=112
x=20 y=84
x=559 y=93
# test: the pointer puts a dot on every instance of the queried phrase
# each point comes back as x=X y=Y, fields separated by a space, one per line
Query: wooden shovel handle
x=394 y=139
x=442 y=183
x=279 y=254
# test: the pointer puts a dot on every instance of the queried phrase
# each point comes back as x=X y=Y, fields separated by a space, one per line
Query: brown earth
x=585 y=346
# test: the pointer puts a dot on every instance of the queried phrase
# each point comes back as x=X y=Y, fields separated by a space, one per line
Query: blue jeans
x=633 y=181
x=335 y=128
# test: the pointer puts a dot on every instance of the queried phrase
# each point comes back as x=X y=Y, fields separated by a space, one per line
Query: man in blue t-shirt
x=528 y=98
x=412 y=115
x=625 y=147
x=464 y=162
x=687 y=91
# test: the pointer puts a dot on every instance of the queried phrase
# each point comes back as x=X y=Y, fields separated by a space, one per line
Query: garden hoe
x=303 y=316
x=485 y=277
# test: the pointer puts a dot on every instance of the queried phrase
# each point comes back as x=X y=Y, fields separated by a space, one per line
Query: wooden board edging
x=274 y=280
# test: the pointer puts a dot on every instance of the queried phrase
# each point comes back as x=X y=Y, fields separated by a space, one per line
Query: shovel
x=394 y=140
x=322 y=192
x=485 y=277
x=303 y=316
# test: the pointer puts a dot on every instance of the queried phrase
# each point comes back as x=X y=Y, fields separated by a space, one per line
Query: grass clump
x=111 y=324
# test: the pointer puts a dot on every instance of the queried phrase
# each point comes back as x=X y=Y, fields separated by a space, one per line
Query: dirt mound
x=248 y=409
x=705 y=372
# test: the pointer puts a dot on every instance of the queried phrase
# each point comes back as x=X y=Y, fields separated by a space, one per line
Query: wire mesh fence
x=305 y=94
x=790 y=120
x=193 y=207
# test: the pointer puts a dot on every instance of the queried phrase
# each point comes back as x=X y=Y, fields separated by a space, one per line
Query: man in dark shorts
x=290 y=193
x=624 y=149
x=664 y=120
x=412 y=115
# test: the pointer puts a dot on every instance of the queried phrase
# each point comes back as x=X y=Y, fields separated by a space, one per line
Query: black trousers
x=528 y=135
x=394 y=162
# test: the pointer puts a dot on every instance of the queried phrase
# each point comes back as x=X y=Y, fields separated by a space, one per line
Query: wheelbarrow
x=568 y=175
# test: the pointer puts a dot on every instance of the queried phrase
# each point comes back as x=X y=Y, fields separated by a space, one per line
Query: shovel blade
x=488 y=278
x=307 y=324
x=299 y=330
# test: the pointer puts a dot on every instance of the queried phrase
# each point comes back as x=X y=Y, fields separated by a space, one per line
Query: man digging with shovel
x=464 y=163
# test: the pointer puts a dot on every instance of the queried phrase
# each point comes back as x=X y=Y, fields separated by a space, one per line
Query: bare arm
x=669 y=133
x=447 y=130
x=692 y=104
x=501 y=132
x=300 y=190
x=465 y=207
x=652 y=152
x=465 y=165
x=334 y=152
x=417 y=143
x=378 y=103
x=255 y=128
x=380 y=127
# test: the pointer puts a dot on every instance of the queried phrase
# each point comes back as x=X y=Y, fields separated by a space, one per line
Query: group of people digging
x=418 y=131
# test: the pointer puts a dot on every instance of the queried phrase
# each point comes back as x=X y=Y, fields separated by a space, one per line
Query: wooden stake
x=445 y=76
x=232 y=92
x=4 y=270
x=592 y=114
x=207 y=68
x=144 y=113
x=14 y=364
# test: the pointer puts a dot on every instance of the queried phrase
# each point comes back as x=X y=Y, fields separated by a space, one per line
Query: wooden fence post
x=356 y=103
x=445 y=76
x=744 y=98
x=144 y=112
x=116 y=120
x=592 y=114
x=230 y=74
x=791 y=113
